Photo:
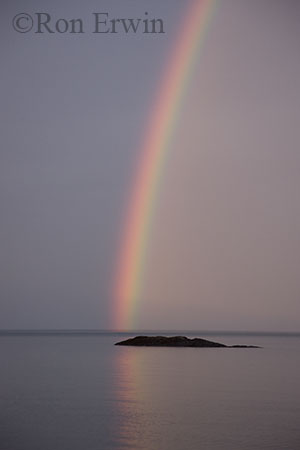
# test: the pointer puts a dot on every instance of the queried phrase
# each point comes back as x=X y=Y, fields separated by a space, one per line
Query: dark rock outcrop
x=176 y=341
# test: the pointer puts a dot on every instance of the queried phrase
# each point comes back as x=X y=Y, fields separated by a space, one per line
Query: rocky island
x=176 y=341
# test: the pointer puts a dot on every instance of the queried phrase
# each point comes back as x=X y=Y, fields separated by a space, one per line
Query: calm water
x=82 y=393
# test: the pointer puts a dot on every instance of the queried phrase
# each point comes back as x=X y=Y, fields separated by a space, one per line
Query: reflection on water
x=130 y=395
x=75 y=393
x=213 y=399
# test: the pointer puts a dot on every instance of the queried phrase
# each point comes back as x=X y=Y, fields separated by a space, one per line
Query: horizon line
x=70 y=331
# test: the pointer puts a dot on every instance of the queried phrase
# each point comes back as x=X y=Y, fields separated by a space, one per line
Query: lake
x=80 y=392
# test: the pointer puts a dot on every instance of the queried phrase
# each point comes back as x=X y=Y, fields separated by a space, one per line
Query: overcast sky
x=224 y=252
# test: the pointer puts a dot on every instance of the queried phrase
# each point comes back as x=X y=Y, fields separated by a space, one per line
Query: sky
x=224 y=247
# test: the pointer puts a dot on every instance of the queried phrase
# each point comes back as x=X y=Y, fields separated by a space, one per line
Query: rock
x=176 y=341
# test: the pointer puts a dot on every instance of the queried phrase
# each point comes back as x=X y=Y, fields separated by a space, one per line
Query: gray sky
x=225 y=246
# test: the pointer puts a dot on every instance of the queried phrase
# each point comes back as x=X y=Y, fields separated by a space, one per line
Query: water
x=79 y=392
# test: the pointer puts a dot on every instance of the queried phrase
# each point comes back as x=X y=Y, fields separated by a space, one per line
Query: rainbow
x=155 y=147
